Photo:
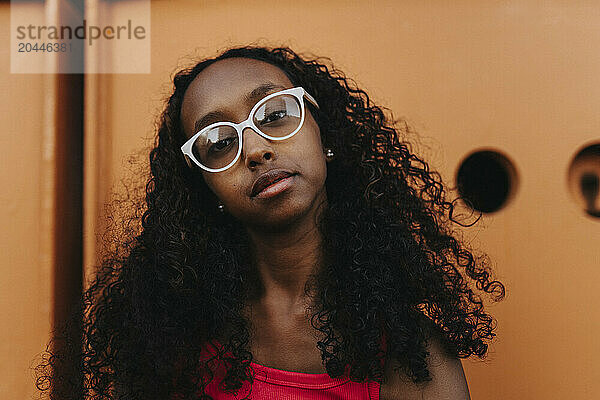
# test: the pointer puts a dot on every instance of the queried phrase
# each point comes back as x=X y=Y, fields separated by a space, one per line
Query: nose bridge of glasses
x=248 y=124
x=254 y=140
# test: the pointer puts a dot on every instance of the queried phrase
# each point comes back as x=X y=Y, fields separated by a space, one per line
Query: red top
x=270 y=383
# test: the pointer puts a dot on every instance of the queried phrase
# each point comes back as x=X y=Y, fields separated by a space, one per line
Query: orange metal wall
x=26 y=201
x=521 y=77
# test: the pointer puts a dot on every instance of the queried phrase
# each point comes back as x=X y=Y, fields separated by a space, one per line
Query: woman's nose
x=255 y=148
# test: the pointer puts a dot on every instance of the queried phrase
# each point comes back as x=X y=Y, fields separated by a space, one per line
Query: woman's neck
x=284 y=262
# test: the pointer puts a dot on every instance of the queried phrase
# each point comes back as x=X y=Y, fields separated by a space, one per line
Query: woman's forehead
x=236 y=74
x=225 y=82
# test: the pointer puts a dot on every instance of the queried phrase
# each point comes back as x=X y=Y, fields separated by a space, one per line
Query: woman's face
x=223 y=90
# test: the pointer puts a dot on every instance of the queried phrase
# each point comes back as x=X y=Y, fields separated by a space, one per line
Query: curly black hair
x=393 y=265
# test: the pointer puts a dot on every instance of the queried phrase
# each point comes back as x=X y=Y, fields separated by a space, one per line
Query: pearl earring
x=221 y=208
x=329 y=154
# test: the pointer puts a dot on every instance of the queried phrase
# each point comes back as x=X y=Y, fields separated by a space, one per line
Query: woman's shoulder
x=448 y=379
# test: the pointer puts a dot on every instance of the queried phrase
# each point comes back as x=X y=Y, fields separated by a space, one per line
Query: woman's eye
x=221 y=145
x=274 y=116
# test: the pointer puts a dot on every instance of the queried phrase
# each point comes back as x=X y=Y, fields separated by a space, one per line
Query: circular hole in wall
x=486 y=180
x=584 y=179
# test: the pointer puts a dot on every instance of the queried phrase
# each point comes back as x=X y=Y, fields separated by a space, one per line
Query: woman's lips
x=276 y=188
x=268 y=178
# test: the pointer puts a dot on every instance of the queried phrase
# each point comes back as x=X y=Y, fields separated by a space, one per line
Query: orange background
x=520 y=77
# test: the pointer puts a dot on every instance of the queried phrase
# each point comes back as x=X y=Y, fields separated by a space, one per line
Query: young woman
x=292 y=247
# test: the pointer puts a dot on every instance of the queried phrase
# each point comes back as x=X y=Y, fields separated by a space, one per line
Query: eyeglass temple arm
x=311 y=99
x=187 y=160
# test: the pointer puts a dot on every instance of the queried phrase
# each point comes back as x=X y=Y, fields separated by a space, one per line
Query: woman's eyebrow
x=262 y=90
x=208 y=119
x=255 y=95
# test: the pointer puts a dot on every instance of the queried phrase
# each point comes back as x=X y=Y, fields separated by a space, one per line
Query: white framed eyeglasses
x=277 y=116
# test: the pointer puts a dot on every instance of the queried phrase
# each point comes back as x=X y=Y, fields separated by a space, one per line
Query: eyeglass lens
x=277 y=117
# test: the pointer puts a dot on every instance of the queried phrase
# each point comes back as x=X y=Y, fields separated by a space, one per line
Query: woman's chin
x=279 y=218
